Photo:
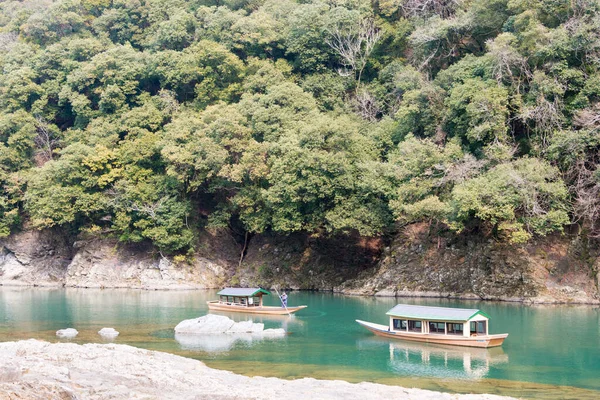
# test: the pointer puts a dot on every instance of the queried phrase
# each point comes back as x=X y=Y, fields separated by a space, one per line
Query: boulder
x=109 y=333
x=67 y=333
x=206 y=324
x=218 y=324
x=215 y=333
x=246 y=327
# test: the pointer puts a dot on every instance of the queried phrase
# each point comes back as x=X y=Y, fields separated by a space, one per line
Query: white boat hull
x=218 y=306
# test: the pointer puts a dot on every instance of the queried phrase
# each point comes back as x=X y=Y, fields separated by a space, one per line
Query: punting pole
x=282 y=303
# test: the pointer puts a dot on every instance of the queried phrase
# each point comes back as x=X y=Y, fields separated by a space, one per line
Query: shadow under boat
x=440 y=361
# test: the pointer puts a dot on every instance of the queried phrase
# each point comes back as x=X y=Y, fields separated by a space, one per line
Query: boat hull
x=474 y=341
x=215 y=305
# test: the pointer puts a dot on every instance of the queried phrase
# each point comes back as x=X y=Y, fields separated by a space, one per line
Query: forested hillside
x=151 y=120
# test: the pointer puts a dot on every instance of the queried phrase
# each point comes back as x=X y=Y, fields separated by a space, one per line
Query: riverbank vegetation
x=154 y=119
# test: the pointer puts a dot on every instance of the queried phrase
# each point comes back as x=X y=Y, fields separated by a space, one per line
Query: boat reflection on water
x=427 y=360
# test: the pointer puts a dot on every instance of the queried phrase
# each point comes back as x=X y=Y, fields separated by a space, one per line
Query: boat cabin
x=438 y=320
x=246 y=297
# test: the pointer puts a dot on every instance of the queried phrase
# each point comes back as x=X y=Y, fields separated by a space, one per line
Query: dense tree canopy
x=153 y=119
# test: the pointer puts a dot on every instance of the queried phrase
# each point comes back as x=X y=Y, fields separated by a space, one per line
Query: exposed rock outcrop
x=302 y=262
x=219 y=324
x=108 y=333
x=45 y=258
x=106 y=263
x=67 y=333
x=36 y=258
x=417 y=264
x=39 y=370
x=413 y=263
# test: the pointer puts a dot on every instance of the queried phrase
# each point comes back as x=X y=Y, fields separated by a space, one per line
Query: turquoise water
x=551 y=352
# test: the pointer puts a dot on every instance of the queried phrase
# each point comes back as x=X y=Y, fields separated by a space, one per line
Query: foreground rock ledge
x=35 y=369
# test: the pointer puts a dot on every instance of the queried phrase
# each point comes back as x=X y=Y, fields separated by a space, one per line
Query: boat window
x=455 y=329
x=478 y=327
x=400 y=324
x=415 y=326
x=437 y=327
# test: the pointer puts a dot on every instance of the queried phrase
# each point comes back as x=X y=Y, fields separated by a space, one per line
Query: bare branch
x=509 y=66
x=588 y=118
x=440 y=40
x=354 y=44
x=366 y=105
x=586 y=189
x=462 y=170
x=425 y=8
x=546 y=117
x=7 y=40
x=149 y=209
x=44 y=140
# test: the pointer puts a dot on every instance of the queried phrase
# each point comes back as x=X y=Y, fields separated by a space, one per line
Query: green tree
x=516 y=199
x=205 y=72
x=478 y=112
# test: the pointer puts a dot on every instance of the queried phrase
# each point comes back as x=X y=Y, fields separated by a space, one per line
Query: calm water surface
x=551 y=352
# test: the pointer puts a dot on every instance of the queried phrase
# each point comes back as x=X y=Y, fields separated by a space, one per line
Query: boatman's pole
x=284 y=306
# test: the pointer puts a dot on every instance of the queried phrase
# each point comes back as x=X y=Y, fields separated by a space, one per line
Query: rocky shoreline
x=547 y=272
x=36 y=369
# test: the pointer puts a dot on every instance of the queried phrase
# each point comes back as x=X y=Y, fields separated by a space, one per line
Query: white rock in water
x=108 y=332
x=246 y=327
x=66 y=333
x=206 y=324
x=220 y=324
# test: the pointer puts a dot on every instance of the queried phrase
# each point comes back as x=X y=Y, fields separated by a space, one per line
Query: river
x=551 y=351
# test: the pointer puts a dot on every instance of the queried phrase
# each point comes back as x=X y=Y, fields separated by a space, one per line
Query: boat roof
x=434 y=313
x=242 y=292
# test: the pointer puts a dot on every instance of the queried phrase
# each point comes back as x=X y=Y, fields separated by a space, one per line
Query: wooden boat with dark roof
x=439 y=325
x=247 y=300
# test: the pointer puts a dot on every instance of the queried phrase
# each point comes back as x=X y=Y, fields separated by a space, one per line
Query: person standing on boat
x=284 y=297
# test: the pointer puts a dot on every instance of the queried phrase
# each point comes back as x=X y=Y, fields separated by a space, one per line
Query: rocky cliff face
x=414 y=263
x=302 y=262
x=49 y=258
x=35 y=257
x=555 y=269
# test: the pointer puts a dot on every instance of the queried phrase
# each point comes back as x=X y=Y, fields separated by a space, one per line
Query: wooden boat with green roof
x=247 y=300
x=439 y=325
